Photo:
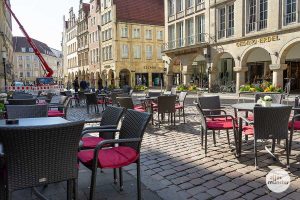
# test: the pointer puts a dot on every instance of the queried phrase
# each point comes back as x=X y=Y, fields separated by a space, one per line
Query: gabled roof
x=140 y=11
x=21 y=42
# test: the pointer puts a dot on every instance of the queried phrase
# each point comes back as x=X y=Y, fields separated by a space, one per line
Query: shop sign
x=149 y=67
x=257 y=41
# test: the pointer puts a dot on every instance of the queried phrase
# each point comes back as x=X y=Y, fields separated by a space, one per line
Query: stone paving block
x=227 y=186
x=232 y=194
x=214 y=192
x=197 y=189
x=211 y=184
x=202 y=196
x=244 y=189
x=197 y=181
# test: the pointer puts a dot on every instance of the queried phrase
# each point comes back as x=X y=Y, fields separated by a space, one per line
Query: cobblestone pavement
x=174 y=165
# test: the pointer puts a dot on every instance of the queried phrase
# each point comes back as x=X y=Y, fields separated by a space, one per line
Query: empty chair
x=127 y=152
x=37 y=156
x=180 y=105
x=26 y=111
x=269 y=123
x=59 y=110
x=166 y=105
x=28 y=101
x=127 y=103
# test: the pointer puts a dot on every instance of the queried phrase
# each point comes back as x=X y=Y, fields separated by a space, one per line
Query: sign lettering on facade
x=149 y=67
x=259 y=40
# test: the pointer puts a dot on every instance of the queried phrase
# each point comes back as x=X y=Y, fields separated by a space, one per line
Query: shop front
x=142 y=79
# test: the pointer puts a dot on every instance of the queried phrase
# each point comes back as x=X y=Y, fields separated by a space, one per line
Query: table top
x=40 y=121
x=250 y=106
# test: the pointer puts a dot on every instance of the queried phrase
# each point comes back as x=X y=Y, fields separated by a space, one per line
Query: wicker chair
x=91 y=100
x=22 y=101
x=294 y=124
x=166 y=104
x=126 y=153
x=26 y=111
x=59 y=110
x=127 y=103
x=180 y=105
x=37 y=156
x=222 y=123
x=264 y=128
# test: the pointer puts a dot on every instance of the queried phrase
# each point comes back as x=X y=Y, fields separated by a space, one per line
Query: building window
x=28 y=74
x=221 y=27
x=124 y=51
x=189 y=3
x=148 y=34
x=200 y=28
x=159 y=54
x=23 y=49
x=28 y=65
x=190 y=31
x=27 y=57
x=21 y=74
x=263 y=14
x=171 y=7
x=30 y=50
x=180 y=36
x=230 y=24
x=160 y=35
x=136 y=33
x=137 y=51
x=257 y=15
x=290 y=13
x=171 y=37
x=252 y=15
x=148 y=52
x=180 y=4
x=124 y=32
x=20 y=58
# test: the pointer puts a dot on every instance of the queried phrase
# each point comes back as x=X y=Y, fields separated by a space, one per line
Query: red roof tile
x=141 y=11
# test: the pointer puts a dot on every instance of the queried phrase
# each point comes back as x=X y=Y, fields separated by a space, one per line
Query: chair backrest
x=133 y=126
x=182 y=97
x=210 y=102
x=154 y=94
x=201 y=115
x=111 y=116
x=167 y=92
x=81 y=95
x=26 y=111
x=125 y=102
x=297 y=105
x=91 y=98
x=166 y=104
x=18 y=95
x=40 y=155
x=271 y=122
x=276 y=97
x=22 y=101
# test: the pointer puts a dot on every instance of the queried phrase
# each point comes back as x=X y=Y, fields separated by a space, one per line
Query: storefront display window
x=176 y=79
x=157 y=79
x=141 y=79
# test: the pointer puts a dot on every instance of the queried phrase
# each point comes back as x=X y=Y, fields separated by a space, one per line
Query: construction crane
x=45 y=66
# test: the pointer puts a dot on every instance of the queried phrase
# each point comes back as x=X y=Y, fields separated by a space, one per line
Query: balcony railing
x=184 y=42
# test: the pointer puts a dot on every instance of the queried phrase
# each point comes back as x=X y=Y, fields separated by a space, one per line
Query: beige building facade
x=6 y=46
x=217 y=42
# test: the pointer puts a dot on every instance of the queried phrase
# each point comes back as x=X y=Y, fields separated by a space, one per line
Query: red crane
x=32 y=44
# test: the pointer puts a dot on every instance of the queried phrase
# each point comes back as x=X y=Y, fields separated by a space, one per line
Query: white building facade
x=220 y=41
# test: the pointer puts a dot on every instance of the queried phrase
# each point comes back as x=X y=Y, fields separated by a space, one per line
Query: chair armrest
x=294 y=117
x=92 y=121
x=100 y=127
x=212 y=110
x=98 y=131
x=115 y=141
x=296 y=108
x=246 y=120
x=218 y=116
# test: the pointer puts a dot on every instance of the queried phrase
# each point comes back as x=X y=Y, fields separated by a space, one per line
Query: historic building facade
x=132 y=34
x=6 y=46
x=27 y=66
x=225 y=40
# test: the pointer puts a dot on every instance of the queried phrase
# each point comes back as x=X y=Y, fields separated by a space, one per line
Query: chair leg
x=115 y=176
x=273 y=146
x=205 y=142
x=255 y=153
x=69 y=189
x=138 y=178
x=183 y=114
x=214 y=137
x=175 y=118
x=287 y=153
x=121 y=179
x=179 y=114
x=75 y=186
x=202 y=137
x=228 y=139
x=93 y=184
x=291 y=140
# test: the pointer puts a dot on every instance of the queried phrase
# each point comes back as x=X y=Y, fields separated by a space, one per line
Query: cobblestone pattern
x=175 y=167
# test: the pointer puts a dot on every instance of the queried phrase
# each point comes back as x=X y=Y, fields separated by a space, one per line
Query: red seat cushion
x=55 y=113
x=154 y=105
x=251 y=118
x=115 y=157
x=101 y=101
x=248 y=130
x=296 y=125
x=91 y=142
x=219 y=125
x=140 y=109
x=178 y=106
x=219 y=119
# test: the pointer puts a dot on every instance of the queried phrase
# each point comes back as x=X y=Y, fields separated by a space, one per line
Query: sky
x=43 y=19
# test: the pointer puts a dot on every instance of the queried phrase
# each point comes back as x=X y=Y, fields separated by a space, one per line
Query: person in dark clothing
x=76 y=84
x=100 y=86
x=83 y=85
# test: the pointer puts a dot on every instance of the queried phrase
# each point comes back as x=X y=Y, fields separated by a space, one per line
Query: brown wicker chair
x=59 y=110
x=127 y=152
x=180 y=105
x=166 y=105
x=127 y=103
x=26 y=111
x=269 y=123
x=37 y=156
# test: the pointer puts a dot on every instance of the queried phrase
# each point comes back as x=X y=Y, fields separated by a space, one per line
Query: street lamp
x=4 y=56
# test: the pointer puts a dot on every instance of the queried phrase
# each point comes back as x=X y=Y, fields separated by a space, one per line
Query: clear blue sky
x=43 y=19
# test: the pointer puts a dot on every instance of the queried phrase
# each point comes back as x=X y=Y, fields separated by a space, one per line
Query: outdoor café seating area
x=178 y=145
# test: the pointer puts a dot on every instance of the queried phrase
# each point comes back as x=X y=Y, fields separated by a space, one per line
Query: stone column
x=278 y=74
x=240 y=76
x=150 y=79
x=212 y=75
x=169 y=81
x=132 y=76
x=187 y=74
